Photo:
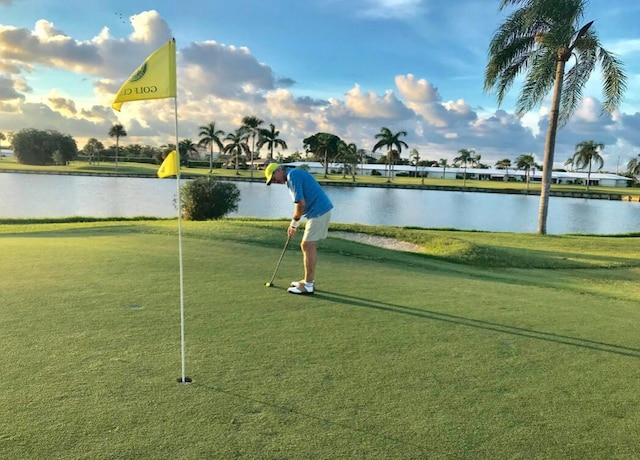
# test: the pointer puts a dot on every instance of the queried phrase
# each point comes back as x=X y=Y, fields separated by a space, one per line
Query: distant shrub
x=207 y=198
x=375 y=173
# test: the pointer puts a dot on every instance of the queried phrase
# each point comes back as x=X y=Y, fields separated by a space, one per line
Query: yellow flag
x=169 y=166
x=154 y=79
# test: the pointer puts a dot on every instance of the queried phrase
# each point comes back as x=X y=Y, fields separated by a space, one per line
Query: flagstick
x=184 y=378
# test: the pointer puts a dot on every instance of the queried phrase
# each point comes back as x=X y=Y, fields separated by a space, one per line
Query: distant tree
x=587 y=155
x=569 y=164
x=443 y=163
x=187 y=148
x=325 y=148
x=93 y=149
x=210 y=136
x=633 y=168
x=2 y=138
x=386 y=138
x=536 y=41
x=349 y=157
x=504 y=164
x=415 y=157
x=35 y=147
x=465 y=157
x=117 y=131
x=269 y=137
x=525 y=162
x=237 y=145
x=252 y=124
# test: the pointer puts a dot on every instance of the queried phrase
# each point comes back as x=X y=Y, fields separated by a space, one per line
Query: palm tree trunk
x=211 y=159
x=253 y=147
x=549 y=147
x=589 y=176
x=117 y=148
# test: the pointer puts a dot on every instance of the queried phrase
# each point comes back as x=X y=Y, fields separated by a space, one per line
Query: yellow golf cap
x=269 y=170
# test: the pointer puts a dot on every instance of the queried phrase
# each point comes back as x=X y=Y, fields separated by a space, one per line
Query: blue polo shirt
x=303 y=186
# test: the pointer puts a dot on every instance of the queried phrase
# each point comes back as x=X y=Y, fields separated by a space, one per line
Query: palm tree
x=271 y=139
x=349 y=156
x=2 y=138
x=117 y=131
x=525 y=162
x=466 y=156
x=442 y=162
x=392 y=142
x=186 y=147
x=588 y=154
x=538 y=39
x=209 y=136
x=504 y=164
x=633 y=168
x=237 y=145
x=252 y=124
x=569 y=164
x=415 y=157
x=361 y=156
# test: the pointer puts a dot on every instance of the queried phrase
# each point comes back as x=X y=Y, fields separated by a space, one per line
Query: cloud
x=391 y=9
x=226 y=71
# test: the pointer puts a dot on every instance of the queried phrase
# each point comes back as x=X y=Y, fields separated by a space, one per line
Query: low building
x=557 y=177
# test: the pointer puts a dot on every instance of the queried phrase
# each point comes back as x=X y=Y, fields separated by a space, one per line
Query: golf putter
x=270 y=283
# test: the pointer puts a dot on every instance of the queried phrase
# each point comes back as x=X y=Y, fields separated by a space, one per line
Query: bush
x=207 y=198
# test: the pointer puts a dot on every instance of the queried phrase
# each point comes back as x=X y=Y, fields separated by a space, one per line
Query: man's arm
x=298 y=211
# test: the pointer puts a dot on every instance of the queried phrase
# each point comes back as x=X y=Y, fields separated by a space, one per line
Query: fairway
x=482 y=345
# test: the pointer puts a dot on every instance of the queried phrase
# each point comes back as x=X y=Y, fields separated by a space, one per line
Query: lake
x=49 y=195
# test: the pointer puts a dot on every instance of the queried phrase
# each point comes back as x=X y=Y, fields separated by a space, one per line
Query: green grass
x=483 y=345
x=81 y=167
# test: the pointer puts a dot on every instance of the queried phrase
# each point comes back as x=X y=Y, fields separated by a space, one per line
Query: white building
x=557 y=177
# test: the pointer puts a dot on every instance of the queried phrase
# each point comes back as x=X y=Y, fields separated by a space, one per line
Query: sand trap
x=380 y=241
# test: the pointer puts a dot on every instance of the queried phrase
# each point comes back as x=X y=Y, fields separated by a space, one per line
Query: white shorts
x=317 y=228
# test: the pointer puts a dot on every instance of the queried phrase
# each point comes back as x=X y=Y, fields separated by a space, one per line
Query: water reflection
x=36 y=195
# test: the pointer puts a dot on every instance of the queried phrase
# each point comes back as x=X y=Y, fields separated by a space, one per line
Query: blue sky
x=346 y=67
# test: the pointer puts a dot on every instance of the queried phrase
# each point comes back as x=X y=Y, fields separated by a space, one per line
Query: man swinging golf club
x=311 y=202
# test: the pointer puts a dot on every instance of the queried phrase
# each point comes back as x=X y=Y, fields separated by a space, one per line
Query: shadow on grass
x=345 y=299
x=293 y=411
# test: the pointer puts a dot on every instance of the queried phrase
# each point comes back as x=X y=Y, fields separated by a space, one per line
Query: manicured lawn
x=483 y=346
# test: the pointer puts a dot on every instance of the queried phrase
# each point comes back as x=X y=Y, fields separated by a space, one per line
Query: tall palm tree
x=269 y=137
x=237 y=145
x=443 y=163
x=587 y=154
x=504 y=164
x=391 y=141
x=210 y=136
x=117 y=131
x=525 y=162
x=252 y=124
x=538 y=39
x=465 y=157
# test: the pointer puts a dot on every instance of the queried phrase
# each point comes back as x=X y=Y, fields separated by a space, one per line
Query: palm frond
x=614 y=79
x=538 y=83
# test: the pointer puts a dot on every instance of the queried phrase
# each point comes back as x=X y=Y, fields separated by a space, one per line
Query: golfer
x=311 y=202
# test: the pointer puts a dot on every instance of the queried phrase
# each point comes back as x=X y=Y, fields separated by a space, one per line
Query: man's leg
x=309 y=258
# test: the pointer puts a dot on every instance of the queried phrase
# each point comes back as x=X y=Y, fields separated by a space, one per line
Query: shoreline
x=447 y=188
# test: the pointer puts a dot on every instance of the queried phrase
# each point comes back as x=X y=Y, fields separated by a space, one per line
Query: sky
x=348 y=67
